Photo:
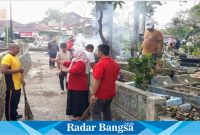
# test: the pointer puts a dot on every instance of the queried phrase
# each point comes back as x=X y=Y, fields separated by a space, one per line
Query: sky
x=26 y=11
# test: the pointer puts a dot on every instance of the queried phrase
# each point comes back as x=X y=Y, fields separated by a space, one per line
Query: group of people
x=75 y=66
x=74 y=72
x=53 y=49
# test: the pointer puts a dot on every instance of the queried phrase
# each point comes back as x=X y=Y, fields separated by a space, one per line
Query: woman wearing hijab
x=78 y=90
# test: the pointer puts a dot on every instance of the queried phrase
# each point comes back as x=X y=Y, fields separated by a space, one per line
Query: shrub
x=143 y=68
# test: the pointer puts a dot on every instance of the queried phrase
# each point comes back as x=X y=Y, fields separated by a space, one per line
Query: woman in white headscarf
x=78 y=90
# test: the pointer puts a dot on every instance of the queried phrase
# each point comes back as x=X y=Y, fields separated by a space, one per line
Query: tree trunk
x=143 y=12
x=105 y=14
x=101 y=27
x=136 y=14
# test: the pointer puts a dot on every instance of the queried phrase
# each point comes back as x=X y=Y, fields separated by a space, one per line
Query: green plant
x=143 y=68
x=194 y=49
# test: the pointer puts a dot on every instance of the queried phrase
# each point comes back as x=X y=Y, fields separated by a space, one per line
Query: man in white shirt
x=63 y=55
x=91 y=60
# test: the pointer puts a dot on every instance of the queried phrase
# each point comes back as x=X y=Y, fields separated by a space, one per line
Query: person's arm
x=77 y=68
x=91 y=59
x=66 y=64
x=92 y=64
x=95 y=86
x=98 y=71
x=49 y=46
x=5 y=69
x=58 y=58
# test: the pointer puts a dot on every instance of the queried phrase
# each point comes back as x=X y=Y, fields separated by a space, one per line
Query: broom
x=27 y=111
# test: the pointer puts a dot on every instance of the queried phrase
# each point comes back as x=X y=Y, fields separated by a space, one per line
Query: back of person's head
x=14 y=48
x=55 y=39
x=71 y=38
x=104 y=49
x=12 y=45
x=63 y=45
x=89 y=46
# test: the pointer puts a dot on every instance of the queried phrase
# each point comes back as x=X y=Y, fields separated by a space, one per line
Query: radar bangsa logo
x=126 y=127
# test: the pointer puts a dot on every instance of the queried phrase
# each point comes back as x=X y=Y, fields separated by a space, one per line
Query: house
x=72 y=25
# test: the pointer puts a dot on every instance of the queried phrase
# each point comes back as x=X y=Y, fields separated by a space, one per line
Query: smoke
x=114 y=30
x=106 y=22
x=81 y=41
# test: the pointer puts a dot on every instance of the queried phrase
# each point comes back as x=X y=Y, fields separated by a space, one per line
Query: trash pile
x=176 y=109
x=183 y=114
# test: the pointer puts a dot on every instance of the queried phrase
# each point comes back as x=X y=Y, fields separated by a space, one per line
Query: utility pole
x=11 y=24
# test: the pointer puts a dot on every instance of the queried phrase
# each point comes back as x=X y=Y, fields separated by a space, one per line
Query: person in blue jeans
x=53 y=49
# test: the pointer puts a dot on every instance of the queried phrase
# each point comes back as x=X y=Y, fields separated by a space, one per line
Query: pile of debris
x=181 y=114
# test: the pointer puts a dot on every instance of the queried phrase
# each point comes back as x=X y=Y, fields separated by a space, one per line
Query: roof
x=30 y=27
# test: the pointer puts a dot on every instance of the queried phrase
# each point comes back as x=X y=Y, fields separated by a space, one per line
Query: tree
x=150 y=8
x=136 y=14
x=105 y=20
x=186 y=23
x=53 y=15
x=147 y=11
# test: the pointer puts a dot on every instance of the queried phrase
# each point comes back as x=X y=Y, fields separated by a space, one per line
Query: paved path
x=42 y=87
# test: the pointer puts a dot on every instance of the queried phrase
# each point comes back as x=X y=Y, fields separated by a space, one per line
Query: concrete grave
x=160 y=81
x=132 y=103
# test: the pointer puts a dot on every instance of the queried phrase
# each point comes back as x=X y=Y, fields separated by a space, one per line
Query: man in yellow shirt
x=11 y=68
x=153 y=41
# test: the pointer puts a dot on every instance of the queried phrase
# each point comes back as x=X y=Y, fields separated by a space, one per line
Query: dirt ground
x=42 y=88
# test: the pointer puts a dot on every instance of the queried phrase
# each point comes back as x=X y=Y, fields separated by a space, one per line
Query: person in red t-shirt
x=78 y=90
x=105 y=74
x=70 y=43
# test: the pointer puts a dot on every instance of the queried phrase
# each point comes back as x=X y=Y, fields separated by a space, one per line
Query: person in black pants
x=11 y=68
x=62 y=76
x=63 y=55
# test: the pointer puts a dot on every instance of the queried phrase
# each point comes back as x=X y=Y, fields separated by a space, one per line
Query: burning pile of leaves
x=180 y=114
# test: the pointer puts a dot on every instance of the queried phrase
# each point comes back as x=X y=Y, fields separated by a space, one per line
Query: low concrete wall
x=2 y=95
x=123 y=65
x=131 y=103
x=26 y=63
x=42 y=49
x=128 y=76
